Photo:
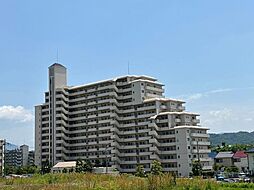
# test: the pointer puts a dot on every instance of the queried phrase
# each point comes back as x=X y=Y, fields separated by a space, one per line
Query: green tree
x=140 y=172
x=156 y=168
x=196 y=168
x=46 y=167
x=83 y=166
x=232 y=169
x=97 y=163
x=79 y=166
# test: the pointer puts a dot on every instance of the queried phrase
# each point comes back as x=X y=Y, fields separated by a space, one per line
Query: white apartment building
x=19 y=157
x=121 y=122
x=2 y=150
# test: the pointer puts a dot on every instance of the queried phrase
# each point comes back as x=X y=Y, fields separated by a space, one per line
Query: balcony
x=177 y=120
x=201 y=151
x=200 y=143
x=204 y=135
x=181 y=108
x=196 y=120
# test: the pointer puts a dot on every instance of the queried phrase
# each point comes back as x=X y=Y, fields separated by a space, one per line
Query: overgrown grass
x=75 y=181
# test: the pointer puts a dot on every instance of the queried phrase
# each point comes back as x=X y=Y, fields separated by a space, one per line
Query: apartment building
x=120 y=122
x=2 y=150
x=19 y=157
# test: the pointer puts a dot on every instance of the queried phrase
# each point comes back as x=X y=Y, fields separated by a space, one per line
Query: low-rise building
x=224 y=159
x=241 y=161
x=250 y=156
x=61 y=166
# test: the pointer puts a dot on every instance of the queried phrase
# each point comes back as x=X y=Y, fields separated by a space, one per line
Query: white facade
x=250 y=156
x=121 y=122
x=242 y=164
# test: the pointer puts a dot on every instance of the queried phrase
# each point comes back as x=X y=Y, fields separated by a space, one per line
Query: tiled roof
x=212 y=155
x=240 y=154
x=224 y=155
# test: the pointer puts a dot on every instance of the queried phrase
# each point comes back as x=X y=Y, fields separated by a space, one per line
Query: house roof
x=240 y=154
x=250 y=151
x=224 y=155
x=212 y=155
x=70 y=164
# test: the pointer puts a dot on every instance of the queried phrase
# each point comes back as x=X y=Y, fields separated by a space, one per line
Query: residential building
x=2 y=152
x=241 y=161
x=121 y=122
x=224 y=159
x=250 y=156
x=19 y=157
x=31 y=158
x=61 y=166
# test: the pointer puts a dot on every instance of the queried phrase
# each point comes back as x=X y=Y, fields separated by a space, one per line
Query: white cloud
x=195 y=96
x=200 y=95
x=18 y=114
x=223 y=114
x=228 y=119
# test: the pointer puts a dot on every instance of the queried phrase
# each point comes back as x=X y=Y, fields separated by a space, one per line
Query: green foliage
x=97 y=163
x=21 y=170
x=83 y=166
x=232 y=169
x=232 y=138
x=79 y=181
x=156 y=168
x=46 y=167
x=140 y=172
x=196 y=168
x=233 y=148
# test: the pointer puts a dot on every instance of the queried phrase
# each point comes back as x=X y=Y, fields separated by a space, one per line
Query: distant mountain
x=232 y=138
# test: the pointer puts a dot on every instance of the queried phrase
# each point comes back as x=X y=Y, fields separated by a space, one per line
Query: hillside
x=232 y=138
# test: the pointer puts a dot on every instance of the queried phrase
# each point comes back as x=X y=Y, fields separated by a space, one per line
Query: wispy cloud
x=200 y=95
x=228 y=119
x=18 y=113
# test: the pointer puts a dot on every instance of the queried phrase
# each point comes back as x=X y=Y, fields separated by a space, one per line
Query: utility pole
x=106 y=154
x=198 y=151
x=128 y=68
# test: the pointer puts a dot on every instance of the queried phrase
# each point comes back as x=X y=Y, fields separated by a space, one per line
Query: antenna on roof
x=128 y=68
x=57 y=55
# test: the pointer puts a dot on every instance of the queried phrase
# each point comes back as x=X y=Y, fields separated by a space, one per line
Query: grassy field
x=77 y=181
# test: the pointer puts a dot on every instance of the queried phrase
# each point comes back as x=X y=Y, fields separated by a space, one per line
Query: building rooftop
x=250 y=151
x=212 y=155
x=174 y=113
x=224 y=155
x=163 y=100
x=190 y=127
x=69 y=164
x=240 y=154
x=144 y=77
x=57 y=64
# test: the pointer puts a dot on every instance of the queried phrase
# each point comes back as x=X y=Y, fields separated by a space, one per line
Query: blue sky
x=203 y=51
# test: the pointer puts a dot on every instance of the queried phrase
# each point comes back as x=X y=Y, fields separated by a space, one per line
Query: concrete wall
x=183 y=149
x=251 y=162
x=37 y=155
